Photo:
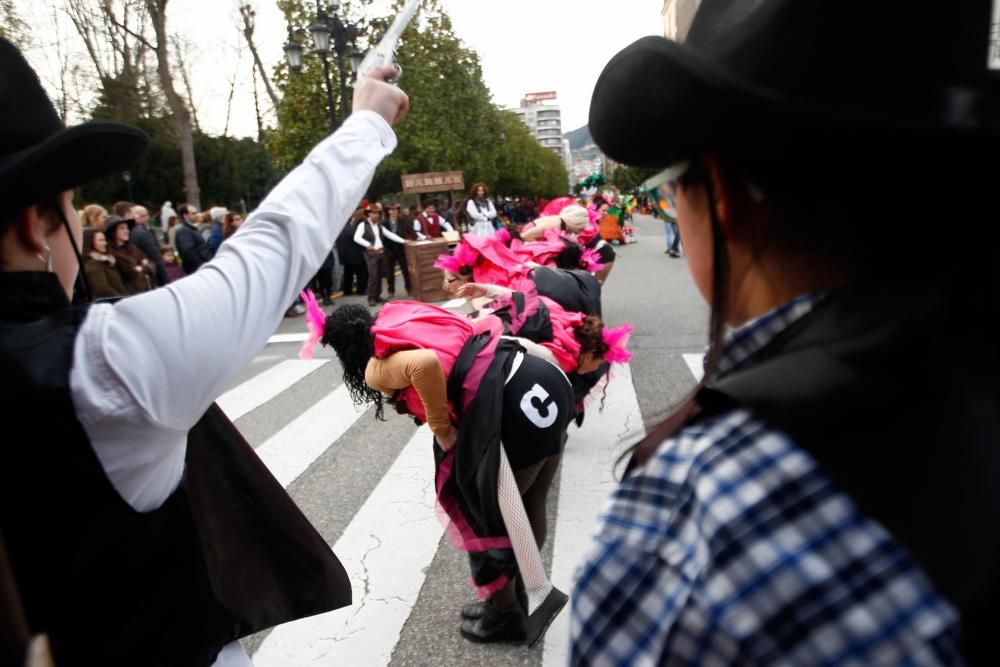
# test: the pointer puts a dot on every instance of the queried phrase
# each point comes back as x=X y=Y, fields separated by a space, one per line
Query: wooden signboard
x=441 y=181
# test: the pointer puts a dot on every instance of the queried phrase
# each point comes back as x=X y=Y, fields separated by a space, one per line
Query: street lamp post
x=329 y=33
x=127 y=176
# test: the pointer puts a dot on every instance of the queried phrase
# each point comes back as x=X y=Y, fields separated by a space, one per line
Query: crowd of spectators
x=128 y=251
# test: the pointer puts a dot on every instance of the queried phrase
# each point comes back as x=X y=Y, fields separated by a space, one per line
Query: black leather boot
x=474 y=610
x=496 y=625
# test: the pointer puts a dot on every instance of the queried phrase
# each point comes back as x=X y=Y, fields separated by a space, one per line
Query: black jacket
x=226 y=555
x=145 y=240
x=191 y=247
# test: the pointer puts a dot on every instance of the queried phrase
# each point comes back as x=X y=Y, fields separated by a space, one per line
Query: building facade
x=543 y=120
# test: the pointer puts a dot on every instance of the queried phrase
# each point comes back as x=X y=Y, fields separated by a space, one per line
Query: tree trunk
x=248 y=26
x=157 y=12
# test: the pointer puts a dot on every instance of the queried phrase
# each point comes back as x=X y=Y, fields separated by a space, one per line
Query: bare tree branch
x=232 y=91
x=247 y=12
x=157 y=13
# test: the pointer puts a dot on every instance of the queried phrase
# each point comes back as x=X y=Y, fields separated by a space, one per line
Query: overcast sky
x=524 y=46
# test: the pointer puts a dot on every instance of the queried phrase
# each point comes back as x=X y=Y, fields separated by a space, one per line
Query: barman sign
x=442 y=181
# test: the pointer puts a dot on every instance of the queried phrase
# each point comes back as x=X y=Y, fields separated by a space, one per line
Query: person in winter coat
x=102 y=274
x=137 y=272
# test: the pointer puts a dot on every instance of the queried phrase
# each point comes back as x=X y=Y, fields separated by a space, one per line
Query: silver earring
x=47 y=260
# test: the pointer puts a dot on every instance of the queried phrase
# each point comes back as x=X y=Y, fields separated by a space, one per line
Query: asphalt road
x=364 y=483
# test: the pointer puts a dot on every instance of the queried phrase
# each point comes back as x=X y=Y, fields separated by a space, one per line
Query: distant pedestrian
x=481 y=212
x=145 y=240
x=191 y=244
x=173 y=269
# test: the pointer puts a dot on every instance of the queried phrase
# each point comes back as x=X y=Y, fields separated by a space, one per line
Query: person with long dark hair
x=480 y=211
x=828 y=494
x=499 y=420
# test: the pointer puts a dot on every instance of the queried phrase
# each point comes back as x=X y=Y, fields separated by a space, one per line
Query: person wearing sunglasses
x=140 y=527
x=828 y=492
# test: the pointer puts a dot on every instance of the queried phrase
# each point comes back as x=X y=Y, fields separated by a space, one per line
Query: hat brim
x=70 y=158
x=689 y=105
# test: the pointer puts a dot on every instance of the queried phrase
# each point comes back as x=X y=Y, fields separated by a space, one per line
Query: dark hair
x=122 y=207
x=843 y=232
x=88 y=241
x=590 y=335
x=348 y=330
x=571 y=257
x=227 y=223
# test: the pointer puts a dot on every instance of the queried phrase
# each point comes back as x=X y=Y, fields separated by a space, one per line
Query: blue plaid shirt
x=731 y=546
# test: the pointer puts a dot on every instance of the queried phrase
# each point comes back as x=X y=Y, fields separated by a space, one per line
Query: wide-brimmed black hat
x=113 y=221
x=779 y=79
x=39 y=156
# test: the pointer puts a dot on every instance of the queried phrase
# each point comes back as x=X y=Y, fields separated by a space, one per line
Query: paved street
x=367 y=486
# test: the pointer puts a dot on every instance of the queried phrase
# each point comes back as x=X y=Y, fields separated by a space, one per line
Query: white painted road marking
x=696 y=364
x=386 y=549
x=260 y=389
x=290 y=451
x=586 y=482
x=288 y=338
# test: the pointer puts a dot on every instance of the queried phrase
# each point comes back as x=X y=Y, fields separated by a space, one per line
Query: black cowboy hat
x=113 y=221
x=39 y=155
x=780 y=79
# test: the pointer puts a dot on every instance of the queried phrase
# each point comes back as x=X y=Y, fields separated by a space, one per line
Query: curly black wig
x=348 y=330
x=571 y=257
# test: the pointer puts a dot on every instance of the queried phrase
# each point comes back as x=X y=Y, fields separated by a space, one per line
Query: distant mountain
x=578 y=138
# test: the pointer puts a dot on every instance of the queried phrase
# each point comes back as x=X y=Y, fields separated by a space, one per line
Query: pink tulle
x=448 y=263
x=616 y=339
x=503 y=236
x=487 y=591
x=555 y=206
x=315 y=320
x=588 y=234
x=591 y=260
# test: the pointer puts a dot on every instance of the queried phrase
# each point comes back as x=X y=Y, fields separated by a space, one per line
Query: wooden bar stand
x=426 y=281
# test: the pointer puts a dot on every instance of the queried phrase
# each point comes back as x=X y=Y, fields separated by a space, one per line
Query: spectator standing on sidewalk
x=102 y=274
x=481 y=212
x=190 y=243
x=395 y=253
x=137 y=272
x=144 y=239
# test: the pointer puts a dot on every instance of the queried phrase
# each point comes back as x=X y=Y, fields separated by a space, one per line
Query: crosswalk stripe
x=261 y=388
x=290 y=451
x=586 y=481
x=287 y=338
x=696 y=364
x=386 y=549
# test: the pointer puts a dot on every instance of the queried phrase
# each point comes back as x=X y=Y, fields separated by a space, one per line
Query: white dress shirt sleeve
x=391 y=235
x=146 y=368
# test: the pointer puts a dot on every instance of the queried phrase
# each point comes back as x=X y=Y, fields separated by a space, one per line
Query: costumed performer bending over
x=499 y=419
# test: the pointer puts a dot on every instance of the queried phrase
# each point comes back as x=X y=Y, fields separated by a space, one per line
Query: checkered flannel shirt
x=731 y=546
